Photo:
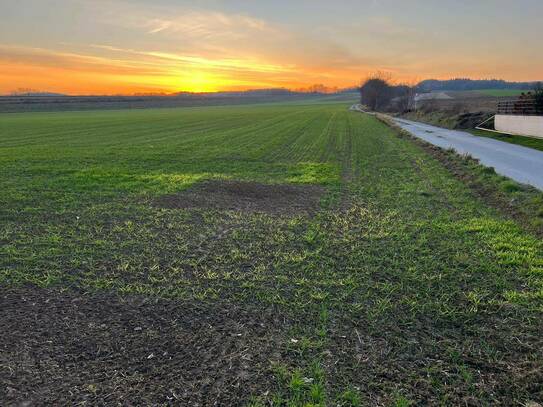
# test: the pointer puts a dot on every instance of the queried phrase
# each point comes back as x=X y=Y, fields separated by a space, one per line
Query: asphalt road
x=524 y=165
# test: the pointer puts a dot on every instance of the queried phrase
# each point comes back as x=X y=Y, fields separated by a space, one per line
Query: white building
x=520 y=118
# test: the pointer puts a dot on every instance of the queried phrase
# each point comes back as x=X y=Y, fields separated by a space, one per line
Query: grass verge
x=520 y=202
x=530 y=142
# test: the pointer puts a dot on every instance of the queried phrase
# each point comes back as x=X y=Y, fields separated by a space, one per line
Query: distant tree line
x=379 y=93
x=464 y=84
x=32 y=92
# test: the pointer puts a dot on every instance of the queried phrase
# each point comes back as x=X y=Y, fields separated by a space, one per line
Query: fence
x=520 y=107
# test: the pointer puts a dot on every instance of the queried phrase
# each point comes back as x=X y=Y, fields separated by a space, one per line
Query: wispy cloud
x=69 y=60
x=158 y=26
x=180 y=60
x=220 y=35
x=206 y=24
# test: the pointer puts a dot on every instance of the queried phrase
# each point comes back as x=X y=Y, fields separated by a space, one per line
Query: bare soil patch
x=65 y=348
x=276 y=199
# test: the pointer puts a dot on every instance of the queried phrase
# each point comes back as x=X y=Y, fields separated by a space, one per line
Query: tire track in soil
x=320 y=330
x=347 y=174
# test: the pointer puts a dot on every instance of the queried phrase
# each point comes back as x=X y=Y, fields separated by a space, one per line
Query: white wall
x=520 y=125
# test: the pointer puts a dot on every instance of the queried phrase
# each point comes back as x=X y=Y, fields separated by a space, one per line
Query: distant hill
x=461 y=84
x=354 y=89
x=251 y=93
x=241 y=93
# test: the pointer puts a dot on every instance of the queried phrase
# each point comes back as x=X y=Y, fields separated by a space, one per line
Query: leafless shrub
x=375 y=92
x=379 y=93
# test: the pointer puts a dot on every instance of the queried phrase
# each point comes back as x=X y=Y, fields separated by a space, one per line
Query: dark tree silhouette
x=376 y=92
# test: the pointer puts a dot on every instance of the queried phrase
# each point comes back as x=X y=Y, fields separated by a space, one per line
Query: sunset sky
x=132 y=46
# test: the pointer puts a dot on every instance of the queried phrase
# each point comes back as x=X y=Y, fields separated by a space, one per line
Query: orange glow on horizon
x=137 y=72
x=153 y=72
x=72 y=81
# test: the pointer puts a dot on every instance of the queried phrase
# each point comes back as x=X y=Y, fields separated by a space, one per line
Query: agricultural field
x=285 y=255
x=502 y=92
x=33 y=104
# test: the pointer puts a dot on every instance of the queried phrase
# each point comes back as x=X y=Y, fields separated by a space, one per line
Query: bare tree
x=379 y=93
x=375 y=92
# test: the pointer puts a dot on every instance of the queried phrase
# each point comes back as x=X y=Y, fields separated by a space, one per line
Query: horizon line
x=316 y=88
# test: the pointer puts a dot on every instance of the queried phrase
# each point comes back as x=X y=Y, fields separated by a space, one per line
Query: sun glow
x=198 y=82
x=127 y=71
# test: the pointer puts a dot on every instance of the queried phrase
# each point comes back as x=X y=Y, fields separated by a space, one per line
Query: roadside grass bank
x=435 y=118
x=383 y=280
x=521 y=202
x=530 y=142
x=449 y=119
